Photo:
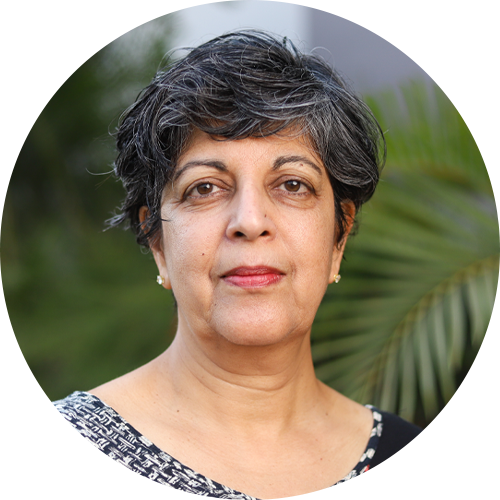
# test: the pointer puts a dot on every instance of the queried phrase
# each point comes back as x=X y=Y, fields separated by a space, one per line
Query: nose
x=250 y=216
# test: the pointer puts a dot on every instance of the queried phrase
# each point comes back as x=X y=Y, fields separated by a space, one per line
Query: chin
x=257 y=329
x=253 y=338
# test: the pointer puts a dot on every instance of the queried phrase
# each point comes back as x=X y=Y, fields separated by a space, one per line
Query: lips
x=252 y=271
x=253 y=277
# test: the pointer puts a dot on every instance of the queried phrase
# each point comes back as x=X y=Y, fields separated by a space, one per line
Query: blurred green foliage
x=403 y=327
x=400 y=330
x=84 y=303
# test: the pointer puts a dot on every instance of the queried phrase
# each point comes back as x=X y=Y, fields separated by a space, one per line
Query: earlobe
x=162 y=278
x=334 y=271
x=159 y=256
x=338 y=250
x=156 y=247
x=164 y=282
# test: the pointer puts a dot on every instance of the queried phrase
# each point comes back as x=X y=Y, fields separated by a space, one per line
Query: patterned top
x=109 y=432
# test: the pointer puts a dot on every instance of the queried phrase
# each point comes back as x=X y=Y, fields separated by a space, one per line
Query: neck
x=241 y=386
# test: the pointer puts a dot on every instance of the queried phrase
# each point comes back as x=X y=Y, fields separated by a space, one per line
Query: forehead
x=252 y=149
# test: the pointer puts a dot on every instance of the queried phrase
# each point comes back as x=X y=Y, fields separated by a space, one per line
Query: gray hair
x=245 y=84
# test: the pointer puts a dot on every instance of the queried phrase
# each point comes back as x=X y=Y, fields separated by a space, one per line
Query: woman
x=244 y=165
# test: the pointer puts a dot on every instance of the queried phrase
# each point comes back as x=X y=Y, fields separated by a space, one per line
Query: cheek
x=190 y=247
x=315 y=242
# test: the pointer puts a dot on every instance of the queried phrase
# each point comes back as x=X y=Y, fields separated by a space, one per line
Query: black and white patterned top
x=109 y=432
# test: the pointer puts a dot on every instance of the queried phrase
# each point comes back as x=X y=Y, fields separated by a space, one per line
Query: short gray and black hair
x=245 y=84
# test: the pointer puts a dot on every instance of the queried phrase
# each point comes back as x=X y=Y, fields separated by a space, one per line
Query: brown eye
x=292 y=186
x=205 y=188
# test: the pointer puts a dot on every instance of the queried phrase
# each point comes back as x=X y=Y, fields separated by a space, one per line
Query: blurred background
x=400 y=330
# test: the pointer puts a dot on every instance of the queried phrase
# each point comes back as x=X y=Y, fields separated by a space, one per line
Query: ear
x=156 y=247
x=338 y=250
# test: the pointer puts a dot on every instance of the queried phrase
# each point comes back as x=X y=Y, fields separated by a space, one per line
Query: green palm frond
x=403 y=326
x=425 y=133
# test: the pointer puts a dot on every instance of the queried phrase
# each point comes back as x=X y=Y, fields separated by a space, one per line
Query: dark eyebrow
x=199 y=163
x=282 y=160
x=278 y=163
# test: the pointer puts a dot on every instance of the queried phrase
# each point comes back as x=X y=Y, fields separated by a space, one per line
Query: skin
x=235 y=396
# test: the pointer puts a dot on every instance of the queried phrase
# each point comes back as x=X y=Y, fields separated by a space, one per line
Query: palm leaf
x=408 y=386
x=402 y=328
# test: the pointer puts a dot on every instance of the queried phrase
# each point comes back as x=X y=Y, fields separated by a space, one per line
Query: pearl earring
x=160 y=280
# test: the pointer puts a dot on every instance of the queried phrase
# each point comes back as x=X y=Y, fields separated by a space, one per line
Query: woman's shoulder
x=402 y=450
x=77 y=403
x=88 y=409
x=88 y=414
x=399 y=433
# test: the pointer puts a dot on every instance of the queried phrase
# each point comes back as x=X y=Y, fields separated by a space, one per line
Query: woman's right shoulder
x=76 y=411
x=78 y=401
x=88 y=414
x=102 y=411
x=77 y=406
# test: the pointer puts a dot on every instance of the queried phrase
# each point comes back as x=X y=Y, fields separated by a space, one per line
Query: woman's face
x=248 y=238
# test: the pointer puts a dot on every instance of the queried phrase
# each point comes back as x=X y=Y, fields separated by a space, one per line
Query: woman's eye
x=294 y=186
x=203 y=189
x=208 y=188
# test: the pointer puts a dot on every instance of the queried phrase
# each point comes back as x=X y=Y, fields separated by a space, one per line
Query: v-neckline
x=156 y=459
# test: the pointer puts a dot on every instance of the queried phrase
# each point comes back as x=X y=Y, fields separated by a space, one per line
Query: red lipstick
x=253 y=277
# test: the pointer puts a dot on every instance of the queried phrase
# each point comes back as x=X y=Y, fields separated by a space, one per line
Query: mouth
x=253 y=277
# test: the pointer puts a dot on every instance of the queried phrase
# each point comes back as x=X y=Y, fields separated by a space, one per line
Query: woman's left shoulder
x=402 y=451
x=396 y=433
